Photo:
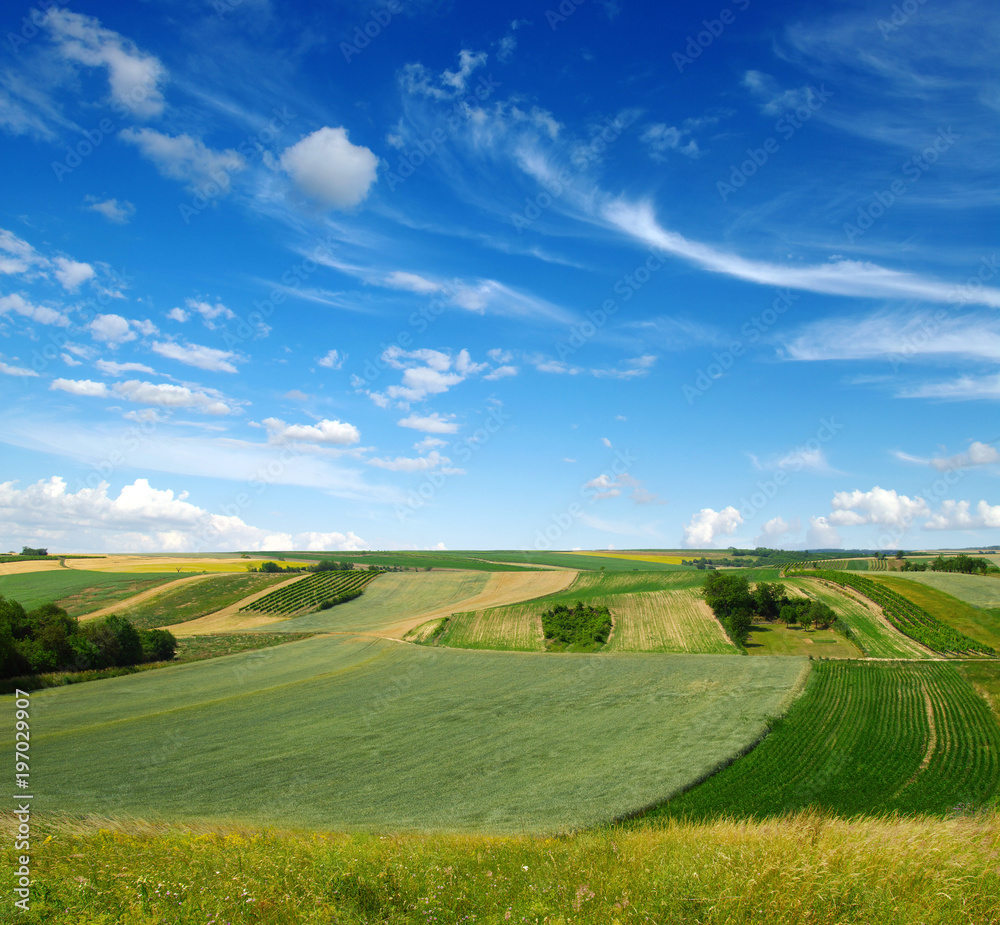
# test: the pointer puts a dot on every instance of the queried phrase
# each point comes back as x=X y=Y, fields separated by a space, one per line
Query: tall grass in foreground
x=803 y=868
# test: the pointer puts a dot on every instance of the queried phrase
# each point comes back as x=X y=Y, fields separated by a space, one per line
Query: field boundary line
x=144 y=596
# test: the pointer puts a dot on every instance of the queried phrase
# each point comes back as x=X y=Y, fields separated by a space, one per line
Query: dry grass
x=665 y=621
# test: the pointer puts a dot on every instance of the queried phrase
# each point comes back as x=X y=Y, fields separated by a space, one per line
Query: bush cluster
x=49 y=639
x=579 y=627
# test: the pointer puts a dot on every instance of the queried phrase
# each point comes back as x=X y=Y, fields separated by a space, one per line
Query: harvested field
x=665 y=621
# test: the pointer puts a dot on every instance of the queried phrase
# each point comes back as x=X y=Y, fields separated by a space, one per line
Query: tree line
x=735 y=605
x=49 y=639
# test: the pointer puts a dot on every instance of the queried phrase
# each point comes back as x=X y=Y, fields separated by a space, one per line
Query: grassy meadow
x=804 y=868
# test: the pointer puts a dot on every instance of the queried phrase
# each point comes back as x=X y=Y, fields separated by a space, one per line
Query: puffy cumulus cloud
x=425 y=372
x=17 y=256
x=140 y=518
x=111 y=330
x=134 y=77
x=40 y=313
x=433 y=423
x=208 y=358
x=328 y=168
x=72 y=273
x=501 y=372
x=881 y=506
x=960 y=515
x=332 y=359
x=168 y=395
x=334 y=433
x=407 y=464
x=80 y=387
x=210 y=314
x=822 y=535
x=184 y=158
x=120 y=213
x=774 y=530
x=707 y=524
x=319 y=542
x=978 y=454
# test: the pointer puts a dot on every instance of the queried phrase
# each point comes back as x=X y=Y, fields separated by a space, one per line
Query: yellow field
x=633 y=556
x=665 y=621
x=172 y=564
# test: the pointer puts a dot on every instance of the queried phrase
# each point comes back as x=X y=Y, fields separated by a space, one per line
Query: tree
x=820 y=615
x=158 y=645
x=270 y=567
x=767 y=598
x=28 y=551
x=732 y=603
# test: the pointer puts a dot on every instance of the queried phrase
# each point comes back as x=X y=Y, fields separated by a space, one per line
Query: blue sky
x=418 y=275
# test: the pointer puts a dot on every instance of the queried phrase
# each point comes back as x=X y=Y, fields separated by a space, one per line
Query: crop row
x=864 y=737
x=908 y=617
x=312 y=591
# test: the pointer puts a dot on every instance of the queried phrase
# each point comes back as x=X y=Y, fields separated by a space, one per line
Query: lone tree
x=732 y=603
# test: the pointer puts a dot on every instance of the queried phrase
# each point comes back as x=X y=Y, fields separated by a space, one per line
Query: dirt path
x=142 y=597
x=229 y=618
x=502 y=588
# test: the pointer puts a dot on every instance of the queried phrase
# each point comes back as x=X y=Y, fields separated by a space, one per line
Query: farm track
x=142 y=597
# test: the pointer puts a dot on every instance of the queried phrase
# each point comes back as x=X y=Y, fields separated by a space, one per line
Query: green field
x=576 y=560
x=804 y=869
x=350 y=732
x=198 y=598
x=875 y=637
x=395 y=596
x=653 y=612
x=778 y=639
x=981 y=591
x=865 y=737
x=976 y=623
x=78 y=591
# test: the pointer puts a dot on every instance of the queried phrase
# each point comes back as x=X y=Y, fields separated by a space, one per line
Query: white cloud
x=141 y=518
x=335 y=433
x=332 y=360
x=773 y=531
x=418 y=81
x=210 y=358
x=408 y=464
x=964 y=388
x=821 y=535
x=412 y=282
x=836 y=277
x=17 y=256
x=978 y=454
x=167 y=395
x=426 y=372
x=134 y=77
x=703 y=528
x=660 y=138
x=637 y=366
x=603 y=486
x=16 y=371
x=81 y=387
x=328 y=168
x=111 y=329
x=774 y=100
x=501 y=372
x=429 y=443
x=209 y=313
x=184 y=158
x=433 y=423
x=318 y=542
x=40 y=313
x=959 y=515
x=607 y=442
x=120 y=213
x=72 y=273
x=110 y=368
x=881 y=506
